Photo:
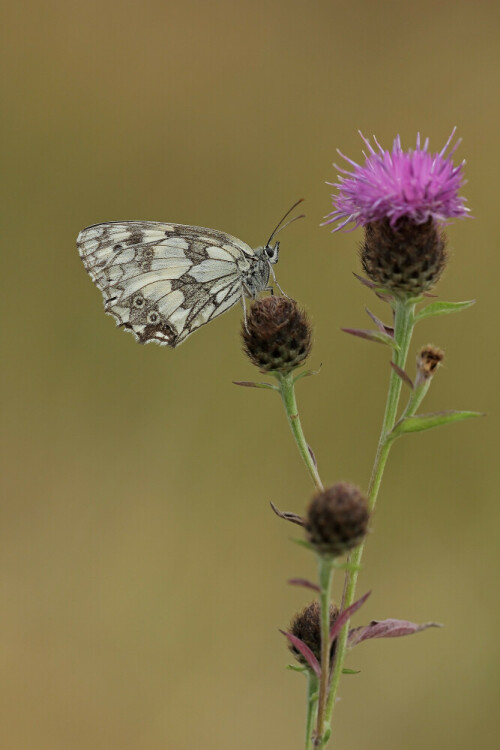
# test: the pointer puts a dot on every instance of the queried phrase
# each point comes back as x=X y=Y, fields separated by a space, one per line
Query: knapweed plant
x=402 y=200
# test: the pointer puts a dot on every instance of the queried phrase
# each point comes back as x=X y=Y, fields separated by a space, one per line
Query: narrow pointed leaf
x=250 y=384
x=305 y=651
x=389 y=330
x=307 y=373
x=296 y=668
x=385 y=296
x=303 y=543
x=442 y=308
x=351 y=671
x=377 y=336
x=421 y=422
x=387 y=629
x=365 y=282
x=345 y=615
x=403 y=375
x=303 y=582
x=311 y=453
x=292 y=517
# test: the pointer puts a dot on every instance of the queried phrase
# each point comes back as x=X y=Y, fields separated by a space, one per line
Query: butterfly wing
x=163 y=281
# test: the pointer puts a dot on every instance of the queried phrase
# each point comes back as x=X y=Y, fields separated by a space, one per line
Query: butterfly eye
x=153 y=318
x=272 y=252
x=138 y=301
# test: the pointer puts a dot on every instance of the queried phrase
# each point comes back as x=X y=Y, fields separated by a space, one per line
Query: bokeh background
x=143 y=576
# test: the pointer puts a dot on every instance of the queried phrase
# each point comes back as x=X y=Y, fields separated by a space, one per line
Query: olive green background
x=143 y=575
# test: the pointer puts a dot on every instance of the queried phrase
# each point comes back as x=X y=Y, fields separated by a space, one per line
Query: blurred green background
x=143 y=575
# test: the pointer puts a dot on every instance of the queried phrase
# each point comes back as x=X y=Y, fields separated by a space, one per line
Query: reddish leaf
x=250 y=384
x=311 y=453
x=387 y=629
x=345 y=615
x=377 y=336
x=403 y=375
x=305 y=651
x=364 y=281
x=304 y=582
x=389 y=330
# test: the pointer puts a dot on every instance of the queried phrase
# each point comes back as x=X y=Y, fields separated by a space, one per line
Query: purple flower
x=414 y=184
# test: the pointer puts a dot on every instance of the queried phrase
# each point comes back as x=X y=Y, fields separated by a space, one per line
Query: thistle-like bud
x=428 y=360
x=337 y=519
x=407 y=258
x=277 y=334
x=306 y=625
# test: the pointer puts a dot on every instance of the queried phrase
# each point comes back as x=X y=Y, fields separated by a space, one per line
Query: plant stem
x=287 y=390
x=325 y=575
x=403 y=330
x=312 y=704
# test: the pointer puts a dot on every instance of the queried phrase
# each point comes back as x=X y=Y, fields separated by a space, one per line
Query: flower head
x=413 y=184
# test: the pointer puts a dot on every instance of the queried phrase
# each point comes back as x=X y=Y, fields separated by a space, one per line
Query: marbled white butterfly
x=163 y=281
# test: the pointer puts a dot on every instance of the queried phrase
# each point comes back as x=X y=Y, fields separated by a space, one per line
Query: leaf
x=345 y=615
x=305 y=651
x=421 y=422
x=351 y=671
x=303 y=582
x=442 y=308
x=389 y=330
x=307 y=373
x=296 y=668
x=387 y=629
x=292 y=517
x=377 y=336
x=403 y=375
x=365 y=282
x=303 y=543
x=250 y=384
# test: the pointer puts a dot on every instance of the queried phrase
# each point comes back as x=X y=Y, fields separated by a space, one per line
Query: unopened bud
x=337 y=519
x=277 y=334
x=306 y=625
x=428 y=360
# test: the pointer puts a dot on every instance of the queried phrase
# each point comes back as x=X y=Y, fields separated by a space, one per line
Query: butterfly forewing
x=163 y=281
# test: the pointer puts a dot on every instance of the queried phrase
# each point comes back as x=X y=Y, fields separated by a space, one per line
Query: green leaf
x=307 y=374
x=302 y=543
x=294 y=668
x=442 y=308
x=351 y=671
x=250 y=384
x=421 y=422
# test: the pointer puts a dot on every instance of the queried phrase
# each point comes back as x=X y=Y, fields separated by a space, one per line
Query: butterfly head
x=271 y=252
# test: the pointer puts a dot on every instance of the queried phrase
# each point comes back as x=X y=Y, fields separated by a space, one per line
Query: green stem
x=312 y=705
x=287 y=390
x=325 y=575
x=403 y=330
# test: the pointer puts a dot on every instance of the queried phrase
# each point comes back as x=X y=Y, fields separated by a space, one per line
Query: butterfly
x=162 y=281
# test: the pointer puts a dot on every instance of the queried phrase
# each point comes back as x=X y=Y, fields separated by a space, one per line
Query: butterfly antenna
x=279 y=227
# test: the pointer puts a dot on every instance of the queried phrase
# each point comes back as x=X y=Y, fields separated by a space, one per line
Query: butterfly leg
x=244 y=304
x=276 y=281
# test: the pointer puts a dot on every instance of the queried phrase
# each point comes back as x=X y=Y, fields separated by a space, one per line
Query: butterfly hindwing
x=163 y=281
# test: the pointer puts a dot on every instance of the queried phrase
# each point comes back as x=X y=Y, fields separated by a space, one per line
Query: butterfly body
x=162 y=281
